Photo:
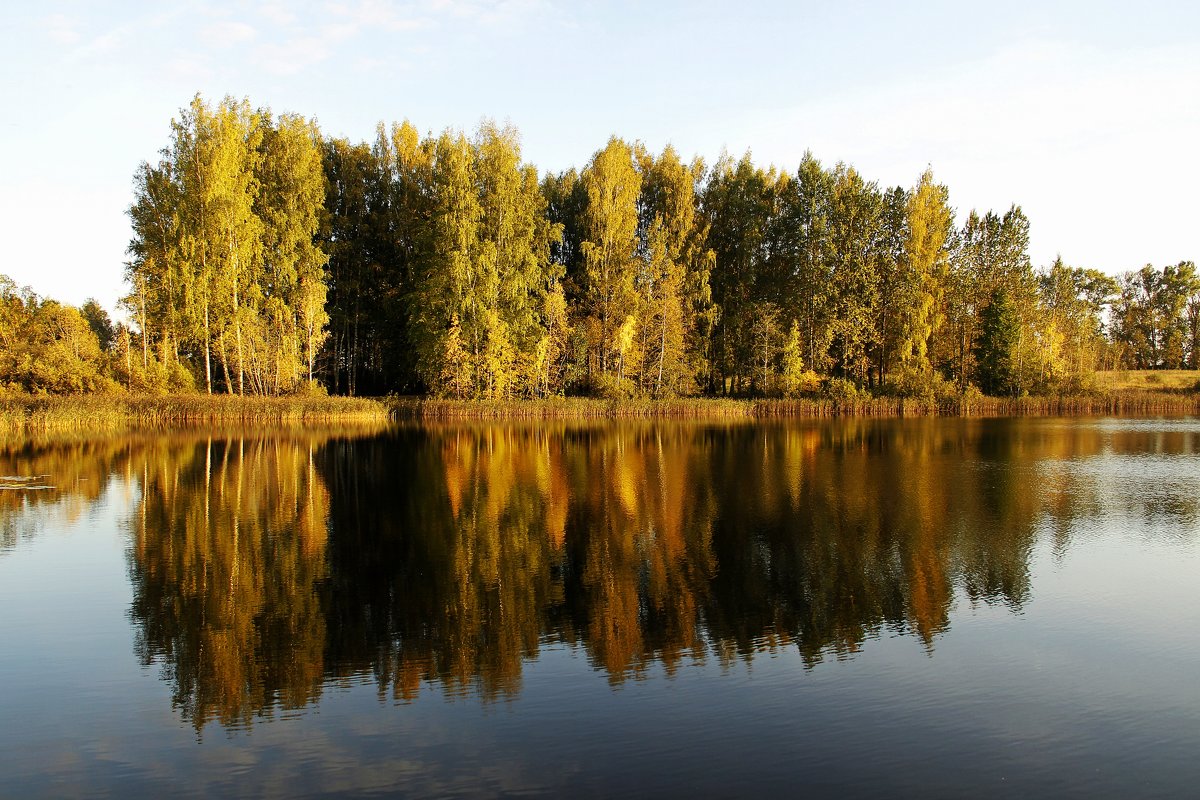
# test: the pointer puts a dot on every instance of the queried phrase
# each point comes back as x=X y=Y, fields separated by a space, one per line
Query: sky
x=1086 y=114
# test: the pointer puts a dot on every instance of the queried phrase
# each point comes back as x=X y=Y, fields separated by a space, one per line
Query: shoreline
x=22 y=416
x=98 y=414
x=1122 y=402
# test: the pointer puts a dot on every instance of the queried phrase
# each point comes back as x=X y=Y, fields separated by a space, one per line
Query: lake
x=922 y=607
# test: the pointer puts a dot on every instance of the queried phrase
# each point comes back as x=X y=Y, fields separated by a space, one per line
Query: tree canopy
x=267 y=258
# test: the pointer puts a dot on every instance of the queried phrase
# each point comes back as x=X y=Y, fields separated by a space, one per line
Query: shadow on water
x=268 y=567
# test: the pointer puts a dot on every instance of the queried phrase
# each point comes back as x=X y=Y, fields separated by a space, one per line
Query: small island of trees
x=270 y=260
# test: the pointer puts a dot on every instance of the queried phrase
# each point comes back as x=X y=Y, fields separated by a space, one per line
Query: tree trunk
x=225 y=363
x=662 y=348
x=207 y=350
x=145 y=344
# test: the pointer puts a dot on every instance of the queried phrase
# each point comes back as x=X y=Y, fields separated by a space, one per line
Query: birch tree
x=610 y=248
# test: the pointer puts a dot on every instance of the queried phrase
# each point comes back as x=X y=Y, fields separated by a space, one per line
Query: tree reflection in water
x=268 y=567
x=228 y=560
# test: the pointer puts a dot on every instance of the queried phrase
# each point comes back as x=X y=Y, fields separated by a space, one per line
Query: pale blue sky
x=1086 y=113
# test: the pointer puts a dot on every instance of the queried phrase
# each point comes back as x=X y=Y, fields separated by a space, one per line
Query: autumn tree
x=515 y=242
x=291 y=198
x=990 y=252
x=453 y=283
x=1071 y=328
x=223 y=267
x=739 y=204
x=1192 y=320
x=855 y=213
x=47 y=347
x=803 y=246
x=930 y=222
x=163 y=297
x=1151 y=322
x=609 y=254
x=674 y=277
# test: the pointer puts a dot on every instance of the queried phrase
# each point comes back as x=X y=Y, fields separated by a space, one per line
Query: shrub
x=609 y=388
x=929 y=387
x=804 y=383
x=843 y=392
x=180 y=380
x=972 y=399
x=310 y=388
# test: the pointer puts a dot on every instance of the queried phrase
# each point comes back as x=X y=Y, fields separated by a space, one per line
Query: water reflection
x=266 y=568
x=228 y=556
x=75 y=474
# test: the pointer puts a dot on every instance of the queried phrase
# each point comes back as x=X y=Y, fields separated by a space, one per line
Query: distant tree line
x=267 y=259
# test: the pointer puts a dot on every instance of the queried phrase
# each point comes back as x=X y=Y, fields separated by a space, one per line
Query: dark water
x=893 y=608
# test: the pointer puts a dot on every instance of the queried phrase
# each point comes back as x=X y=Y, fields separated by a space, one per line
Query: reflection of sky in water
x=1144 y=477
x=1085 y=688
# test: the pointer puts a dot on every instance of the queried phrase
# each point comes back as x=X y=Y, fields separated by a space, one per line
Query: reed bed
x=39 y=416
x=1131 y=402
x=24 y=416
x=224 y=409
x=417 y=408
x=1115 y=403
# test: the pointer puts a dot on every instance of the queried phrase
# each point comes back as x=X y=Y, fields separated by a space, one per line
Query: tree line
x=268 y=259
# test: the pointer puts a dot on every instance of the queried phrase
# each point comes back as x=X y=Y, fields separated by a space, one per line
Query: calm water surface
x=893 y=608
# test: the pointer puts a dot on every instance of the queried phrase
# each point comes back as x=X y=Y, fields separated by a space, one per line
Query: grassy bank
x=417 y=408
x=1149 y=380
x=23 y=416
x=1126 y=402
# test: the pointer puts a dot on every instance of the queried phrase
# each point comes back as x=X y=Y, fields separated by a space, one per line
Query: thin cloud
x=226 y=34
x=290 y=43
x=380 y=15
x=493 y=13
x=277 y=14
x=294 y=55
x=190 y=69
x=63 y=30
x=102 y=45
x=117 y=38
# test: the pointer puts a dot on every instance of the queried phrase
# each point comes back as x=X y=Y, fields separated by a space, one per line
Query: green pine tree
x=996 y=344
